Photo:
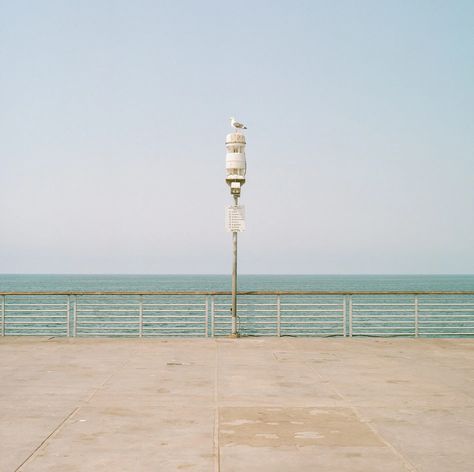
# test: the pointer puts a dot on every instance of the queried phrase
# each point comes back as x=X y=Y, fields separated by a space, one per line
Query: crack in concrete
x=217 y=460
x=406 y=463
x=58 y=428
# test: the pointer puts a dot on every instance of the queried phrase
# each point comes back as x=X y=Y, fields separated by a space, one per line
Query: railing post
x=278 y=315
x=3 y=315
x=207 y=316
x=140 y=317
x=350 y=316
x=213 y=308
x=74 y=317
x=68 y=317
x=416 y=316
x=344 y=316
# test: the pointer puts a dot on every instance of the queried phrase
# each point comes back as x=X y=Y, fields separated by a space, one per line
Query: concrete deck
x=261 y=404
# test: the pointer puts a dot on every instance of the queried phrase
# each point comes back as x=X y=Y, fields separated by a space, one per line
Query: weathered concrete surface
x=260 y=404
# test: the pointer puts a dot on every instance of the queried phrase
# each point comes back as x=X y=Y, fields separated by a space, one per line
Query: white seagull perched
x=236 y=124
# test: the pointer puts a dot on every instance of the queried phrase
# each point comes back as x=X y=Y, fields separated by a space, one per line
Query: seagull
x=236 y=124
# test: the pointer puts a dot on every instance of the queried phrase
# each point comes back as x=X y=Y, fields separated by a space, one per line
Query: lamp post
x=235 y=216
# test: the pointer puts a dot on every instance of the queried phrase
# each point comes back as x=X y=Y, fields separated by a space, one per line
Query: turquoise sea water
x=246 y=282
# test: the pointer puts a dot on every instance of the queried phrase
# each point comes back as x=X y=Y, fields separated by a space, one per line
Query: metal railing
x=260 y=313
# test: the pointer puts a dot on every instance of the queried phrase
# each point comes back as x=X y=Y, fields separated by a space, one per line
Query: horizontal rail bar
x=9 y=311
x=112 y=310
x=134 y=318
x=450 y=304
x=375 y=326
x=256 y=292
x=61 y=327
x=382 y=304
x=444 y=310
x=253 y=322
x=372 y=310
x=173 y=322
x=10 y=316
x=107 y=322
x=311 y=304
x=24 y=323
x=61 y=305
x=382 y=315
x=312 y=322
x=448 y=325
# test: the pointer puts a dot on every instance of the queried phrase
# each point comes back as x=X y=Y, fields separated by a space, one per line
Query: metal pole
x=278 y=315
x=234 y=277
x=74 y=318
x=206 y=316
x=213 y=308
x=68 y=317
x=350 y=316
x=344 y=316
x=3 y=315
x=140 y=317
x=416 y=317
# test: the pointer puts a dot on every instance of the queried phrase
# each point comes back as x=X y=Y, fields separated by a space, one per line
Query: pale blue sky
x=360 y=142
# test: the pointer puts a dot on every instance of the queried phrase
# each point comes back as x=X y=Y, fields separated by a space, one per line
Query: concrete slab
x=290 y=426
x=231 y=405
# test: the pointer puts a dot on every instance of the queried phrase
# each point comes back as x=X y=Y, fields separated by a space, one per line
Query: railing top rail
x=253 y=292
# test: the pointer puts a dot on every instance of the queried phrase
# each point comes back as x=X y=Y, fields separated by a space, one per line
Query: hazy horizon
x=240 y=273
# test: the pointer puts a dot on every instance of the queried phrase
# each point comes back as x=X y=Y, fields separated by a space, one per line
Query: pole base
x=236 y=335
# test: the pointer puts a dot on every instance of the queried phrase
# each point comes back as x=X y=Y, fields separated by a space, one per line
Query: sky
x=113 y=117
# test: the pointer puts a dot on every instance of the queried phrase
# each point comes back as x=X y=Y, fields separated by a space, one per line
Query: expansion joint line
x=47 y=438
x=217 y=458
x=407 y=464
x=58 y=428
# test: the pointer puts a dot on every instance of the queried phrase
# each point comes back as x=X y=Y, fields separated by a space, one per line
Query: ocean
x=33 y=283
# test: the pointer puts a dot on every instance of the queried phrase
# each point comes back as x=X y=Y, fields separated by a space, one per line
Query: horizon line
x=228 y=274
